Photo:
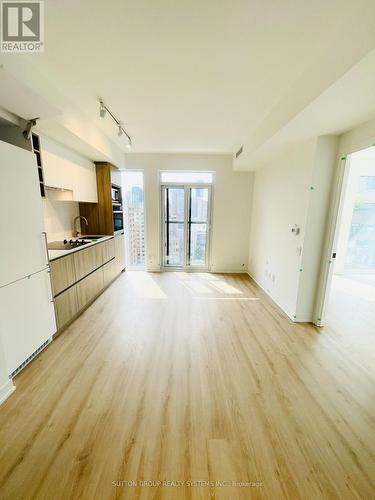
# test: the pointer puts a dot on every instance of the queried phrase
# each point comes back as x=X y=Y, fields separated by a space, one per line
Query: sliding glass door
x=174 y=230
x=186 y=228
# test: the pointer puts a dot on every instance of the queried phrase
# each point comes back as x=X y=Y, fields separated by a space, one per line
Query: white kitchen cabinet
x=63 y=168
x=27 y=317
x=22 y=242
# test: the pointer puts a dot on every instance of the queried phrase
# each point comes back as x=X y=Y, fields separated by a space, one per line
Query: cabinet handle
x=51 y=298
x=46 y=246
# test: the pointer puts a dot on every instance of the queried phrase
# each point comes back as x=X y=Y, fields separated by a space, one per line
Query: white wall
x=319 y=200
x=58 y=216
x=231 y=206
x=280 y=200
x=360 y=137
x=285 y=265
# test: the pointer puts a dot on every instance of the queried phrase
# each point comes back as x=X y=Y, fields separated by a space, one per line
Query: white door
x=27 y=317
x=186 y=226
x=22 y=242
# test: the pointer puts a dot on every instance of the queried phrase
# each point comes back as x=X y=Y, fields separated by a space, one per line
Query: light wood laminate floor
x=191 y=377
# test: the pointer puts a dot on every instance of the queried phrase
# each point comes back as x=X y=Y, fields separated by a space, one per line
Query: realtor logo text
x=22 y=26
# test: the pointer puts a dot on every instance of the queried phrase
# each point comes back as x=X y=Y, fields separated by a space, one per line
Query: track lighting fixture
x=29 y=127
x=103 y=111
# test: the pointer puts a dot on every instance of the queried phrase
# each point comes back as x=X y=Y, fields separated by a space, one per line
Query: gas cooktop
x=67 y=244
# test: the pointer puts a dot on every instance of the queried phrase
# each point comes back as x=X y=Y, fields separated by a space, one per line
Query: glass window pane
x=361 y=246
x=187 y=177
x=199 y=204
x=175 y=197
x=198 y=242
x=133 y=199
x=175 y=244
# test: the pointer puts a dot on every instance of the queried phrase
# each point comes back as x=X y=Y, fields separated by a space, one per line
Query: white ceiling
x=347 y=103
x=199 y=76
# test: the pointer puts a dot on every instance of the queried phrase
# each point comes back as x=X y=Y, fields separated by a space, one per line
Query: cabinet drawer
x=108 y=250
x=87 y=260
x=62 y=273
x=89 y=288
x=66 y=306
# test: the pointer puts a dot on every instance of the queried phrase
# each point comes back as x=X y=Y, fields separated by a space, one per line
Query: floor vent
x=239 y=152
x=30 y=358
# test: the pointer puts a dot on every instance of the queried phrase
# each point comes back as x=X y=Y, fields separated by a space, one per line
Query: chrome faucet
x=75 y=230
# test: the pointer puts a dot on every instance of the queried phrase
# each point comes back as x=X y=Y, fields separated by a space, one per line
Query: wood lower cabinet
x=110 y=271
x=89 y=288
x=66 y=307
x=119 y=242
x=63 y=273
x=77 y=279
x=108 y=250
x=88 y=259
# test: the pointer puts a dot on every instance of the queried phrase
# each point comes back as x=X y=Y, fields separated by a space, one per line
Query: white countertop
x=56 y=254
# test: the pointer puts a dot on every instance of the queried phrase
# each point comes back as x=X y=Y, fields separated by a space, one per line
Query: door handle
x=49 y=284
x=46 y=246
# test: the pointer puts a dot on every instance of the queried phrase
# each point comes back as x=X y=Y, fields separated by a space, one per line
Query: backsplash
x=59 y=215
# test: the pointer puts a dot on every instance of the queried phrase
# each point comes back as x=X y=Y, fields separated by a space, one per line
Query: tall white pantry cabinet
x=27 y=317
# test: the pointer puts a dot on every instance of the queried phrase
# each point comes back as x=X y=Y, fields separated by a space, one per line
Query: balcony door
x=186 y=226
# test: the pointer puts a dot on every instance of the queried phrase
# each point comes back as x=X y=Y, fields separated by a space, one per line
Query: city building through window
x=134 y=219
x=186 y=200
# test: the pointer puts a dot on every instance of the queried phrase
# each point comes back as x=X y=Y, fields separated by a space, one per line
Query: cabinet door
x=66 y=305
x=110 y=271
x=120 y=252
x=27 y=317
x=65 y=169
x=87 y=260
x=22 y=244
x=89 y=288
x=108 y=250
x=62 y=273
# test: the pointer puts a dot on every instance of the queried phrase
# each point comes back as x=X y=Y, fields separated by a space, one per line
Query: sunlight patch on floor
x=208 y=286
x=145 y=287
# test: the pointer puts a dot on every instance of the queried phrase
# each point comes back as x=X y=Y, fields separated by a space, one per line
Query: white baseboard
x=290 y=316
x=221 y=270
x=157 y=269
x=6 y=390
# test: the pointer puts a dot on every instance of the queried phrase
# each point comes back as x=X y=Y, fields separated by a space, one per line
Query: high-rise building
x=135 y=225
